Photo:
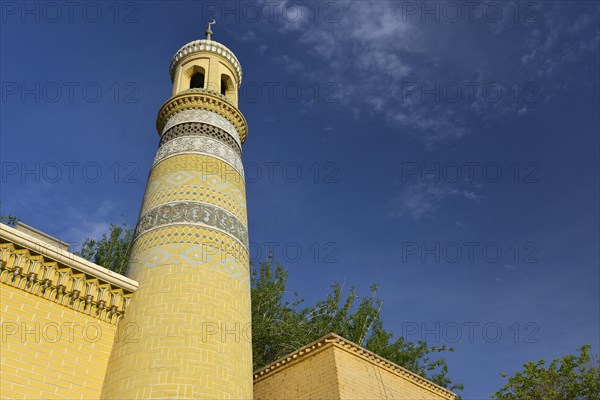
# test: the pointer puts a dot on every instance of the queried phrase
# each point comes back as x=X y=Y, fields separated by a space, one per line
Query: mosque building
x=178 y=326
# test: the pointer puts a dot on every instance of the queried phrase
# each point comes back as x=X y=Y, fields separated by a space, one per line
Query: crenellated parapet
x=61 y=277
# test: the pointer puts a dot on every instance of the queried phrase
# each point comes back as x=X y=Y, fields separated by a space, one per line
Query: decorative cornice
x=333 y=339
x=202 y=99
x=43 y=236
x=209 y=46
x=56 y=275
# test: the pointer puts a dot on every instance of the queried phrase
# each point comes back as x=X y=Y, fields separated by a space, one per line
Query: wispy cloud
x=422 y=200
x=249 y=36
x=37 y=205
x=291 y=66
x=372 y=52
x=262 y=49
x=81 y=224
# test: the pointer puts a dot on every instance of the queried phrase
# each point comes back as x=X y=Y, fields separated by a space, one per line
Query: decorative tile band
x=193 y=213
x=203 y=116
x=169 y=236
x=198 y=254
x=199 y=170
x=200 y=145
x=201 y=129
x=193 y=193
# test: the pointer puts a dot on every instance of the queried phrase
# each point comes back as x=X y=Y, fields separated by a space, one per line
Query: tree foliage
x=280 y=326
x=572 y=377
x=112 y=251
x=9 y=220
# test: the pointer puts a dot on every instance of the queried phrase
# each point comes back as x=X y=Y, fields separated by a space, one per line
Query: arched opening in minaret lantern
x=196 y=78
x=197 y=81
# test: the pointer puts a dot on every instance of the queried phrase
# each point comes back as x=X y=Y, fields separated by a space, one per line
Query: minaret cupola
x=206 y=65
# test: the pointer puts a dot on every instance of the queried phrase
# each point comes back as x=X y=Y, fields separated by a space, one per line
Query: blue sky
x=447 y=152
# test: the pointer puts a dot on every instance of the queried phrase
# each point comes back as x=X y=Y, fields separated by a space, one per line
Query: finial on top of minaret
x=209 y=32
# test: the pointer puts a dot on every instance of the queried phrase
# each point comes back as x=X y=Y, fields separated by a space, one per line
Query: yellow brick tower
x=190 y=254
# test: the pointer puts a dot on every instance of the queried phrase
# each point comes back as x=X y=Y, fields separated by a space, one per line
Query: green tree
x=274 y=319
x=112 y=251
x=9 y=220
x=572 y=377
x=280 y=326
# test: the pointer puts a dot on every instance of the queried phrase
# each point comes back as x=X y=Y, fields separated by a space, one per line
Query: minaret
x=187 y=331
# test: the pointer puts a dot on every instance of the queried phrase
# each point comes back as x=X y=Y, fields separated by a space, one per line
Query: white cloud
x=80 y=224
x=372 y=51
x=561 y=39
x=262 y=49
x=292 y=66
x=422 y=200
x=249 y=36
x=293 y=15
x=37 y=205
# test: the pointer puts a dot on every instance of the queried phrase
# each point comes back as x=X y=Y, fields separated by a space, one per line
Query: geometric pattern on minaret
x=188 y=329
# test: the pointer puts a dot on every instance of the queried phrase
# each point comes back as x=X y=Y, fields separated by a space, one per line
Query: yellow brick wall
x=361 y=379
x=50 y=351
x=312 y=377
x=333 y=371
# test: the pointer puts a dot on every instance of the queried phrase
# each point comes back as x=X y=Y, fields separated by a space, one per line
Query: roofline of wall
x=335 y=340
x=43 y=234
x=69 y=259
